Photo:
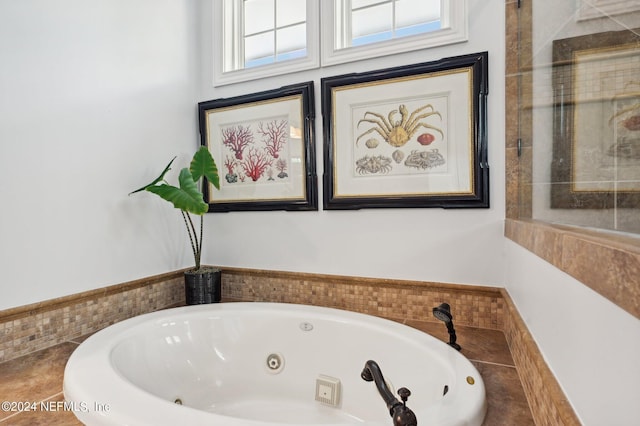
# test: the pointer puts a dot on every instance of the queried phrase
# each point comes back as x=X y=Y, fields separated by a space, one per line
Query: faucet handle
x=401 y=414
x=404 y=394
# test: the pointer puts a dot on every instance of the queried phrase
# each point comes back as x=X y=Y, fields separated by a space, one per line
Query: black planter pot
x=204 y=286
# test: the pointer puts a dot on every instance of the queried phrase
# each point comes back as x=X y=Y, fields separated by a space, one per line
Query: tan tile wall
x=608 y=264
x=518 y=113
x=397 y=299
x=546 y=399
x=548 y=403
x=611 y=266
x=482 y=307
x=33 y=327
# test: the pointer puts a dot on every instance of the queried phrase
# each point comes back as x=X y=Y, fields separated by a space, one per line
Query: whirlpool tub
x=265 y=364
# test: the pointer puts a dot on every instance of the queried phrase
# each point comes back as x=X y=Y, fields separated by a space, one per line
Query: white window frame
x=233 y=45
x=321 y=49
x=454 y=30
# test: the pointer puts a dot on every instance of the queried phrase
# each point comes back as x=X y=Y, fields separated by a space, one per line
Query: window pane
x=258 y=16
x=414 y=12
x=290 y=12
x=357 y=4
x=258 y=47
x=260 y=28
x=373 y=20
x=291 y=38
x=246 y=37
x=366 y=29
x=291 y=55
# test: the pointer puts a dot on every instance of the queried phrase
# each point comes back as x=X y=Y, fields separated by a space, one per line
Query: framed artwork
x=263 y=145
x=411 y=136
x=596 y=131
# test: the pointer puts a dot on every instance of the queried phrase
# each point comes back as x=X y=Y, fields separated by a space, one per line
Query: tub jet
x=275 y=363
x=443 y=313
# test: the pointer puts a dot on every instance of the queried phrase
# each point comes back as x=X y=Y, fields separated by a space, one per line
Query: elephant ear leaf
x=188 y=197
x=156 y=180
x=203 y=164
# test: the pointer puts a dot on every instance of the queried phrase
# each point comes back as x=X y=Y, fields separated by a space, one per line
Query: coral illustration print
x=410 y=131
x=237 y=138
x=255 y=152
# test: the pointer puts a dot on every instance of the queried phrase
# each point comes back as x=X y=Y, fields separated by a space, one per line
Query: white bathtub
x=214 y=360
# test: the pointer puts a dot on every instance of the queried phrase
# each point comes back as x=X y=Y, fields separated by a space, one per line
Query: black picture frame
x=595 y=160
x=254 y=137
x=361 y=113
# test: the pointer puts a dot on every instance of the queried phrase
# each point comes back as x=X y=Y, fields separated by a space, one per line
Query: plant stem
x=200 y=242
x=191 y=230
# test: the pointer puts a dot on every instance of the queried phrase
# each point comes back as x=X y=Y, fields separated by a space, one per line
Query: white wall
x=458 y=246
x=591 y=344
x=87 y=91
x=90 y=89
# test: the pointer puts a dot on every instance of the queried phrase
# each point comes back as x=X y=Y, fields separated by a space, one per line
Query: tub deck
x=37 y=378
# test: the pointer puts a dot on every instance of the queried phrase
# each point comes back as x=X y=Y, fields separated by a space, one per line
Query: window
x=365 y=29
x=260 y=38
x=372 y=21
x=273 y=31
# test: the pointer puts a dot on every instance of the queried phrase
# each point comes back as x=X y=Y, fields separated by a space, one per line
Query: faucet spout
x=372 y=372
x=399 y=412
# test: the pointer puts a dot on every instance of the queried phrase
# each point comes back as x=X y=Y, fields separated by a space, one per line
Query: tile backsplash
x=33 y=327
x=30 y=328
x=397 y=299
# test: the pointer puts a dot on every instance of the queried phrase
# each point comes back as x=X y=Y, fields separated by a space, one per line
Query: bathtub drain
x=275 y=363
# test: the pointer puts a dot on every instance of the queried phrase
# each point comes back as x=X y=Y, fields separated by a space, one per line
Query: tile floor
x=37 y=378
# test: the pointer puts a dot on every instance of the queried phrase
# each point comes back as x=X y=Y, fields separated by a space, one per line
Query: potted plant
x=202 y=283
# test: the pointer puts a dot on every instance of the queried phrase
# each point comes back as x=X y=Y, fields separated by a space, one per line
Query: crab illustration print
x=398 y=132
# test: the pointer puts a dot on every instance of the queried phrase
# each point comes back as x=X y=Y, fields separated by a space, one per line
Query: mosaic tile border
x=482 y=307
x=547 y=401
x=38 y=326
x=474 y=306
x=34 y=327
